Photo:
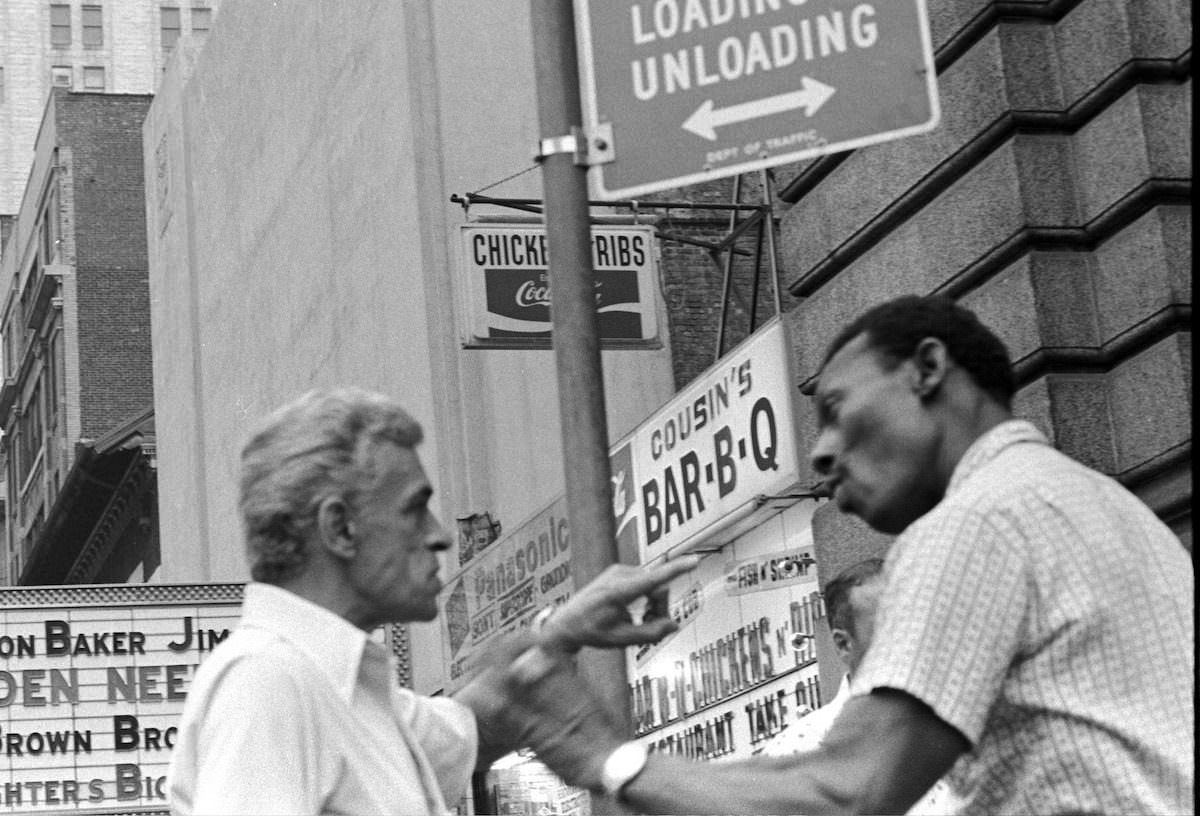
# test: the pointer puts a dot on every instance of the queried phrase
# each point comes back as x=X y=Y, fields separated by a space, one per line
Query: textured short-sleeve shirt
x=1047 y=614
x=298 y=711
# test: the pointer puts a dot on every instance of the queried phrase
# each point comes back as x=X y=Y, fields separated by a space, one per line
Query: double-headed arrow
x=811 y=96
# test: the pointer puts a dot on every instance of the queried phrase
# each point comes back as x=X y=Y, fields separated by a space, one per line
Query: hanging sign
x=678 y=92
x=741 y=668
x=712 y=453
x=506 y=270
x=501 y=588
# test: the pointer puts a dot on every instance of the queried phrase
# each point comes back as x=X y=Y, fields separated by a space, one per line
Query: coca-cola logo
x=537 y=293
x=533 y=293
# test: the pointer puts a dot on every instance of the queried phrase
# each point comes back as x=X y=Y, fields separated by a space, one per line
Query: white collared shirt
x=1047 y=614
x=299 y=711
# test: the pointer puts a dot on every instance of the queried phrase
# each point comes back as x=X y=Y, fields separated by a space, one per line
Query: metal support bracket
x=589 y=149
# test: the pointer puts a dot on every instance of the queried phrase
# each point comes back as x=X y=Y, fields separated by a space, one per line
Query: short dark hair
x=837 y=592
x=895 y=327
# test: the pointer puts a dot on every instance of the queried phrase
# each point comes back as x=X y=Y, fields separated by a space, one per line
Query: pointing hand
x=598 y=614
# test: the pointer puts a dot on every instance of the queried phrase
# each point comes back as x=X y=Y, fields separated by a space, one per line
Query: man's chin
x=890 y=523
x=415 y=614
x=874 y=520
x=845 y=502
x=427 y=615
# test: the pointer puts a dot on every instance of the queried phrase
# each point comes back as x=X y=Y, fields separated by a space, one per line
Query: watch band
x=622 y=766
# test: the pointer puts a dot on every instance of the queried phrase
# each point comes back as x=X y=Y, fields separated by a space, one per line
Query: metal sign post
x=574 y=325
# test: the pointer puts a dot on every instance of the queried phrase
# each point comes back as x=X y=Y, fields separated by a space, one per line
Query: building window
x=60 y=24
x=60 y=76
x=170 y=26
x=201 y=20
x=93 y=78
x=29 y=427
x=11 y=352
x=50 y=217
x=53 y=372
x=93 y=27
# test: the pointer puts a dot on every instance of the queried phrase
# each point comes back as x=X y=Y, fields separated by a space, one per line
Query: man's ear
x=931 y=361
x=335 y=529
x=841 y=642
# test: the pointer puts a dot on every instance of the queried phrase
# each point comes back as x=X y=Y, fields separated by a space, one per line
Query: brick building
x=76 y=403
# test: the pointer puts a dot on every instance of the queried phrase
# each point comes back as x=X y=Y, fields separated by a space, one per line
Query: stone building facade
x=1053 y=199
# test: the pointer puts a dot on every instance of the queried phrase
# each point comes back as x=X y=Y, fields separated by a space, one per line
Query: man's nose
x=438 y=538
x=822 y=456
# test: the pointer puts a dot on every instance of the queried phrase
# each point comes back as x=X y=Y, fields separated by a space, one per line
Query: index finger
x=650 y=578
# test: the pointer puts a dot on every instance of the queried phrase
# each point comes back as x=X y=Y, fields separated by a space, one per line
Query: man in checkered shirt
x=1036 y=619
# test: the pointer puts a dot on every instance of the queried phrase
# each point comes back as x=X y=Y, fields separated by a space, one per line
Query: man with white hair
x=299 y=710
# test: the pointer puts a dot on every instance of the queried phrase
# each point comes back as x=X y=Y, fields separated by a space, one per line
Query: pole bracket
x=589 y=148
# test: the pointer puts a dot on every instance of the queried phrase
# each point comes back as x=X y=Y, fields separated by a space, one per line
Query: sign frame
x=501 y=586
x=770 y=409
x=734 y=674
x=807 y=93
x=614 y=264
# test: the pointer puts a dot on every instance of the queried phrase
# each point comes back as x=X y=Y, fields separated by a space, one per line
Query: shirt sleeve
x=952 y=618
x=448 y=735
x=257 y=752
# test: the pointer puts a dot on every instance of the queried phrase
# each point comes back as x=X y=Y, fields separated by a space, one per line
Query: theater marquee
x=507 y=285
x=92 y=683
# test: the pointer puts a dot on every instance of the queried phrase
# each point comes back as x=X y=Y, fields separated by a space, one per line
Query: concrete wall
x=300 y=169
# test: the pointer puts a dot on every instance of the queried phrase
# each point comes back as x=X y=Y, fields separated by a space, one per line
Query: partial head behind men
x=319 y=445
x=904 y=390
x=851 y=599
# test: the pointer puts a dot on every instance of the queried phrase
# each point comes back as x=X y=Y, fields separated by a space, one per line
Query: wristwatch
x=622 y=766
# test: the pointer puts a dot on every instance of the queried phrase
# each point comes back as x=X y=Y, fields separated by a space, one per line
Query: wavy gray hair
x=315 y=447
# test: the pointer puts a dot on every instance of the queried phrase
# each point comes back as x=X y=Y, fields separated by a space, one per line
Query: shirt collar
x=988 y=447
x=332 y=643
